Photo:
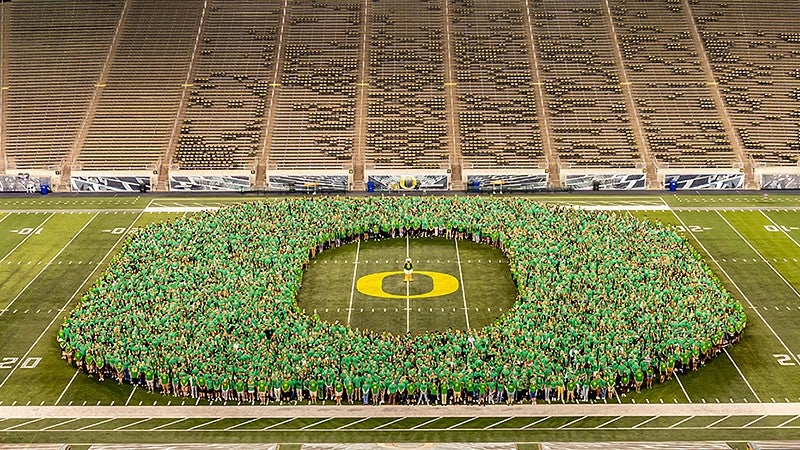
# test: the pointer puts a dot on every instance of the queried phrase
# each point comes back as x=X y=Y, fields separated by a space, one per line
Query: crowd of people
x=206 y=307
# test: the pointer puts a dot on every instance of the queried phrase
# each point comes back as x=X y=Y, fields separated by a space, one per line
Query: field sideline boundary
x=316 y=411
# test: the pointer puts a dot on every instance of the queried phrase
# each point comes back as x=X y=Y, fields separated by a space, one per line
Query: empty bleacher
x=681 y=123
x=55 y=60
x=754 y=48
x=76 y=91
x=498 y=119
x=314 y=126
x=406 y=106
x=589 y=118
x=224 y=120
x=136 y=113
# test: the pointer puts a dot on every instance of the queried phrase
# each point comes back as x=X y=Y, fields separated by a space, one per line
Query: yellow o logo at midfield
x=372 y=285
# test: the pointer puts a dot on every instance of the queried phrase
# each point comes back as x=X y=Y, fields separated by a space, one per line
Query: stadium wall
x=317 y=181
x=778 y=177
x=621 y=179
x=411 y=180
x=211 y=180
x=702 y=178
x=506 y=181
x=116 y=181
x=23 y=182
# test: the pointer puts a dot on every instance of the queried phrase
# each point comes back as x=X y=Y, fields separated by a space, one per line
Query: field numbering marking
x=747 y=299
x=760 y=255
x=71 y=299
x=26 y=237
x=41 y=271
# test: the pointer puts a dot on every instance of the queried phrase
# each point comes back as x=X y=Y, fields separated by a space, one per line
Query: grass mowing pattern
x=725 y=251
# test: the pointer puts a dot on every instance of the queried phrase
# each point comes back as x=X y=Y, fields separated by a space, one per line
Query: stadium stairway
x=548 y=144
x=72 y=157
x=166 y=159
x=5 y=7
x=272 y=103
x=630 y=104
x=730 y=129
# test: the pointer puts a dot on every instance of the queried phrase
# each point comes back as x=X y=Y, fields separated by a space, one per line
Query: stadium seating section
x=221 y=84
x=224 y=120
x=314 y=126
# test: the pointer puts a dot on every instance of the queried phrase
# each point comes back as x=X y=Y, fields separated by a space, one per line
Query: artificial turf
x=750 y=242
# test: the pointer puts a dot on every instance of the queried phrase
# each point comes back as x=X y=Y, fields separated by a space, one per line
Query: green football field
x=458 y=284
x=52 y=248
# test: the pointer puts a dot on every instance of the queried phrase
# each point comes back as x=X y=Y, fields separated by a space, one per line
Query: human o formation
x=206 y=307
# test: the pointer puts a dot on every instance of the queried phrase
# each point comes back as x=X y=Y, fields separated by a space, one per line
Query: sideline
x=350 y=411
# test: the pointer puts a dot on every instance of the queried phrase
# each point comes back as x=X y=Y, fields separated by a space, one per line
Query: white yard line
x=408 y=290
x=4 y=217
x=609 y=422
x=711 y=425
x=49 y=263
x=752 y=422
x=571 y=422
x=60 y=423
x=682 y=388
x=645 y=422
x=353 y=287
x=388 y=423
x=22 y=424
x=130 y=396
x=534 y=423
x=96 y=423
x=680 y=422
x=760 y=255
x=166 y=424
x=204 y=424
x=788 y=421
x=724 y=272
x=35 y=230
x=277 y=424
x=741 y=374
x=353 y=423
x=424 y=423
x=315 y=424
x=131 y=424
x=461 y=279
x=71 y=299
x=498 y=423
x=461 y=423
x=398 y=413
x=779 y=227
x=68 y=385
x=241 y=424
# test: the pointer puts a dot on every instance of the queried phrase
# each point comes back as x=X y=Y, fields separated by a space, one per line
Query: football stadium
x=438 y=224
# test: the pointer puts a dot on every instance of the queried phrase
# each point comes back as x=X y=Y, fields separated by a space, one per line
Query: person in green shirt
x=366 y=387
x=238 y=386
x=262 y=390
x=432 y=393
x=286 y=391
x=391 y=389
x=312 y=391
x=338 y=390
x=149 y=378
x=457 y=391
